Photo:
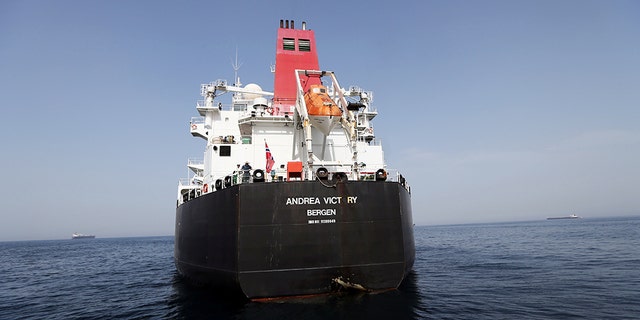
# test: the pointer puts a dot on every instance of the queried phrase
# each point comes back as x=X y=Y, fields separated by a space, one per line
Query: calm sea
x=563 y=269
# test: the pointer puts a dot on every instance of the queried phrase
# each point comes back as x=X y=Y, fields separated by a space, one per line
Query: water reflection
x=191 y=302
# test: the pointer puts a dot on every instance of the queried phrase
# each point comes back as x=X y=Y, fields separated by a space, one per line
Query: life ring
x=370 y=130
x=193 y=127
x=270 y=110
x=205 y=188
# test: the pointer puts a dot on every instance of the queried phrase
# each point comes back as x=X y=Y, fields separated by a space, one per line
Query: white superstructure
x=237 y=131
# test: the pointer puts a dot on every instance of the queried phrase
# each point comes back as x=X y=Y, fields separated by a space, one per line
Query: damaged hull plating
x=297 y=238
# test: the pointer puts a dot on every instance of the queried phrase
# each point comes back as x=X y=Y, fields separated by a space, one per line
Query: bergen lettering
x=321 y=212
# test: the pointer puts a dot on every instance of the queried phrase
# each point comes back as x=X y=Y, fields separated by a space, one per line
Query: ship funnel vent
x=290 y=24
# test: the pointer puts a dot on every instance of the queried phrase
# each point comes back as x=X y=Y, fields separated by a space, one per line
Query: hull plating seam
x=204 y=267
x=321 y=268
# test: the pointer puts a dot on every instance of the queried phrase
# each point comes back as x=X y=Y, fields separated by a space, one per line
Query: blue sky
x=493 y=110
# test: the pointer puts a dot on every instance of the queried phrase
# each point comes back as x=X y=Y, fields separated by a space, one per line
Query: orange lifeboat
x=323 y=111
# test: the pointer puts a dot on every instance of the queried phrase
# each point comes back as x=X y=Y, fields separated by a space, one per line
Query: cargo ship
x=293 y=196
x=82 y=236
x=571 y=216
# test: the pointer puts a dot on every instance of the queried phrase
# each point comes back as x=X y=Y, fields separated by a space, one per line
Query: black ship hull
x=297 y=238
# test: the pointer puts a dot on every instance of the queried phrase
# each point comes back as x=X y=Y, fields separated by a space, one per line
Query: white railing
x=221 y=106
x=238 y=177
x=372 y=142
x=184 y=182
x=196 y=120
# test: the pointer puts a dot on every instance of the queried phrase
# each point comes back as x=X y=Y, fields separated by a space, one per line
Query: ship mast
x=236 y=67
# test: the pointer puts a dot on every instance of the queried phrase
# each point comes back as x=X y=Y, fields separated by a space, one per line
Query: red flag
x=270 y=161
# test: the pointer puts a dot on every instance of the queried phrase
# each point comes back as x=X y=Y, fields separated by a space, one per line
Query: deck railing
x=239 y=177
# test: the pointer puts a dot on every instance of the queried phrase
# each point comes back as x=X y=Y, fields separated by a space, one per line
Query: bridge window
x=304 y=45
x=289 y=44
x=225 y=151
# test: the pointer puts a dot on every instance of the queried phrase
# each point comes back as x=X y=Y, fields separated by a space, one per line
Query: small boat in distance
x=82 y=236
x=572 y=216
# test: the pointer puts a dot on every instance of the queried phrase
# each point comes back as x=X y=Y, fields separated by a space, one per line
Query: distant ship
x=572 y=216
x=328 y=216
x=82 y=236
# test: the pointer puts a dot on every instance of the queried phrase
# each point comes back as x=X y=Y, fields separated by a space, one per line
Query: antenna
x=236 y=67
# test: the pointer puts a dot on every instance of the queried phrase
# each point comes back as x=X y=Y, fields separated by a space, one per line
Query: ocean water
x=562 y=269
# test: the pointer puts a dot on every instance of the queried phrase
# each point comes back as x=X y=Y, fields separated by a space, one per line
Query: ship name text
x=324 y=200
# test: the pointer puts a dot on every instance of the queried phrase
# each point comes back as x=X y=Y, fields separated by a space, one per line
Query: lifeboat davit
x=323 y=112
